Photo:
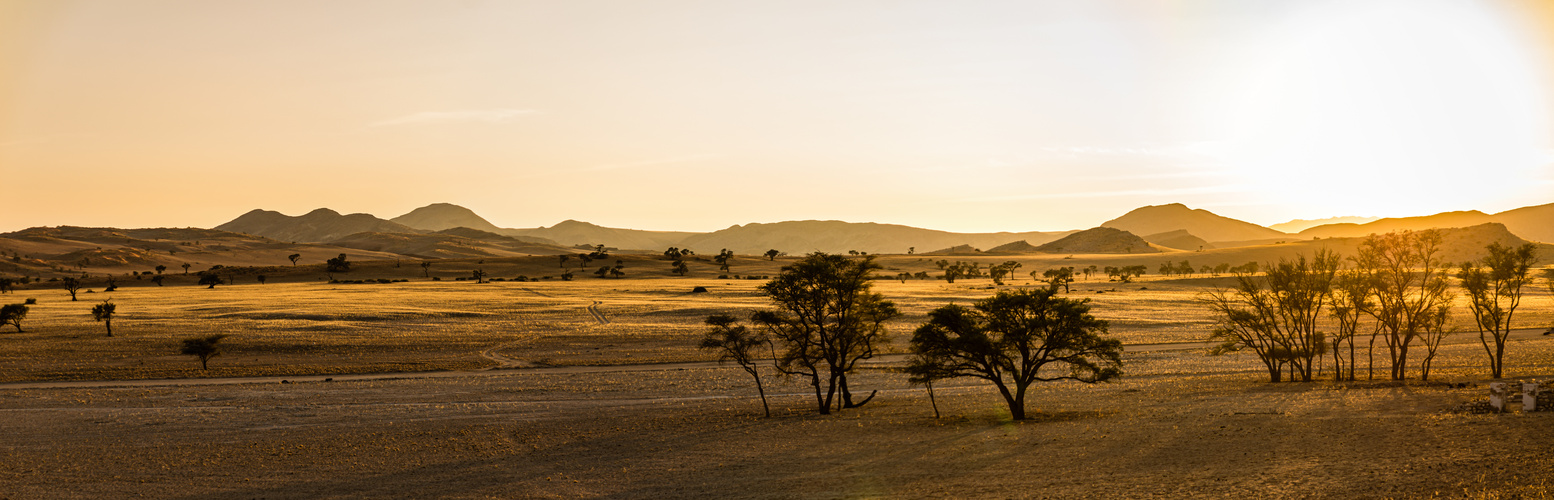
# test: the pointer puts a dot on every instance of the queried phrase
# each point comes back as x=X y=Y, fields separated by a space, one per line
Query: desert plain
x=595 y=388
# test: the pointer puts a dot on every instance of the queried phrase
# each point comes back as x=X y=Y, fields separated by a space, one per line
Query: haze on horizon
x=683 y=115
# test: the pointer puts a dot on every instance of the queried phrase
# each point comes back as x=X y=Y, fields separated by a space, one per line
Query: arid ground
x=593 y=388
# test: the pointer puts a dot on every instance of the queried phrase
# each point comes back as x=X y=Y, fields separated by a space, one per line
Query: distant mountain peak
x=440 y=216
x=321 y=212
x=1158 y=219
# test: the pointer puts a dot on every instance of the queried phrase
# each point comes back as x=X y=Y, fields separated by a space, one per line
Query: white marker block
x=1530 y=396
x=1497 y=396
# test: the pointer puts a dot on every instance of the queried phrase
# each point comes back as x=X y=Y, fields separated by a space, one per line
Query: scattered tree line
x=1395 y=290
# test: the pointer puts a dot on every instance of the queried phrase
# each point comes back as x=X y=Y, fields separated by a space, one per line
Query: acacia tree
x=1059 y=276
x=71 y=285
x=723 y=259
x=186 y=267
x=205 y=347
x=827 y=319
x=210 y=279
x=1351 y=300
x=426 y=269
x=104 y=312
x=1276 y=316
x=160 y=268
x=563 y=258
x=738 y=343
x=679 y=267
x=1409 y=289
x=1009 y=338
x=293 y=258
x=773 y=253
x=1494 y=288
x=479 y=275
x=13 y=314
x=158 y=279
x=7 y=285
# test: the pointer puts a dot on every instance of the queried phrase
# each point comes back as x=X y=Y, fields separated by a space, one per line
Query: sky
x=965 y=116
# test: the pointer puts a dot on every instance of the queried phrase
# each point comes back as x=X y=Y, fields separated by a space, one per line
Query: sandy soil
x=600 y=423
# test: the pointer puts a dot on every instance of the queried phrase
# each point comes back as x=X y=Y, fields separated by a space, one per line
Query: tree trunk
x=108 y=323
x=825 y=404
x=932 y=401
x=762 y=391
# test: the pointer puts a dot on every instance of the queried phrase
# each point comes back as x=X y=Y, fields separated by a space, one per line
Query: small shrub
x=31 y=302
x=437 y=278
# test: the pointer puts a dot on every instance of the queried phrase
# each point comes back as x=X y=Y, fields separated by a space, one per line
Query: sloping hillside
x=318 y=226
x=1099 y=240
x=1179 y=239
x=1202 y=223
x=1381 y=226
x=1298 y=225
x=54 y=251
x=1021 y=246
x=571 y=232
x=801 y=237
x=1534 y=223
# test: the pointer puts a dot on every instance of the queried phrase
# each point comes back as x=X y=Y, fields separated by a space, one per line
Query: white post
x=1497 y=396
x=1530 y=396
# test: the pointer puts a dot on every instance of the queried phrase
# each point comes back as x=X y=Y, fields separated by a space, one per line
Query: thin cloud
x=496 y=115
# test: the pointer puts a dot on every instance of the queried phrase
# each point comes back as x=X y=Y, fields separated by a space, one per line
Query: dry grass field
x=592 y=388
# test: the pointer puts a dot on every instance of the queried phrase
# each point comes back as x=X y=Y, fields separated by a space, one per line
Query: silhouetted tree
x=260 y=278
x=160 y=268
x=337 y=265
x=827 y=319
x=566 y=276
x=1277 y=316
x=738 y=343
x=479 y=275
x=563 y=259
x=71 y=285
x=619 y=269
x=723 y=259
x=1351 y=300
x=426 y=269
x=293 y=258
x=1409 y=288
x=158 y=279
x=680 y=268
x=6 y=285
x=603 y=270
x=1007 y=339
x=104 y=312
x=205 y=347
x=1494 y=288
x=186 y=267
x=772 y=254
x=1000 y=271
x=1058 y=277
x=211 y=280
x=13 y=314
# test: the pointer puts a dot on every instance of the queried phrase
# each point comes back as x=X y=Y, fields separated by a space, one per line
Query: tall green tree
x=1494 y=288
x=826 y=318
x=1014 y=339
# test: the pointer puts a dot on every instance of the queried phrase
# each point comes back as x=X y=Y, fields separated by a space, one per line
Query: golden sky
x=692 y=115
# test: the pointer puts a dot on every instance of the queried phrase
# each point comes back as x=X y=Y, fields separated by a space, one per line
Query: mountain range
x=1171 y=226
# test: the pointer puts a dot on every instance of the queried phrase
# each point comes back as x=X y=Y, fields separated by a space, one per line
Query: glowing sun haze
x=678 y=115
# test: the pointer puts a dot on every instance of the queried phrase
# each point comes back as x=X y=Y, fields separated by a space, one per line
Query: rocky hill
x=1099 y=240
x=1201 y=223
